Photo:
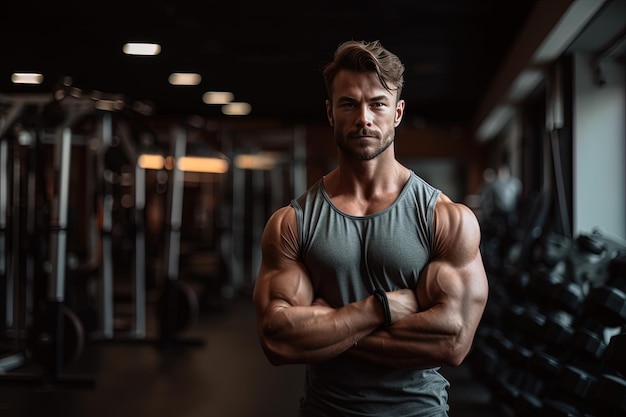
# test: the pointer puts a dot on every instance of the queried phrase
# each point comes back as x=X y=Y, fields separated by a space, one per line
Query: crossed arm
x=431 y=326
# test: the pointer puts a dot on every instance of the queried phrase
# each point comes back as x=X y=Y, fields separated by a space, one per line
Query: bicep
x=455 y=278
x=282 y=280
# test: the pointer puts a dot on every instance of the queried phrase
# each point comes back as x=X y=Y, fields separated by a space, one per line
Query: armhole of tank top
x=297 y=208
x=430 y=217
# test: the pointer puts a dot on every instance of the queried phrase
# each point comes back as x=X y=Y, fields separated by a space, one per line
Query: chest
x=348 y=257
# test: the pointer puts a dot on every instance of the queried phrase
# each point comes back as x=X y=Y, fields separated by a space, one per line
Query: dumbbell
x=557 y=332
x=555 y=248
x=591 y=244
x=524 y=327
x=518 y=379
x=543 y=367
x=617 y=273
x=615 y=357
x=563 y=383
x=510 y=319
x=609 y=397
x=604 y=309
x=580 y=376
x=591 y=256
x=606 y=304
x=530 y=324
x=542 y=284
x=503 y=371
x=555 y=408
x=559 y=299
x=568 y=296
x=515 y=283
x=588 y=347
x=575 y=388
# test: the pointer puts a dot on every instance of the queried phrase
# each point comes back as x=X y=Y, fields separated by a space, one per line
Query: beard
x=364 y=149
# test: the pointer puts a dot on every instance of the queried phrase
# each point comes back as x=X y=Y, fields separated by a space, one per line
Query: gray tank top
x=347 y=258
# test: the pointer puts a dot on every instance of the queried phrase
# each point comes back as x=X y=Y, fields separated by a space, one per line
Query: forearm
x=426 y=339
x=305 y=334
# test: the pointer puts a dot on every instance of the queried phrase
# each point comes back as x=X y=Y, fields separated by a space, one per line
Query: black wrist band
x=382 y=297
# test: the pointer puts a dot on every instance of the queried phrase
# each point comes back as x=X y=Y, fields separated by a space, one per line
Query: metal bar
x=139 y=328
x=176 y=204
x=59 y=216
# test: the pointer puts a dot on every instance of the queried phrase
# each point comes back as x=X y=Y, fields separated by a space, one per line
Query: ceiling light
x=260 y=161
x=184 y=78
x=236 y=109
x=151 y=161
x=217 y=97
x=141 y=48
x=202 y=164
x=26 y=78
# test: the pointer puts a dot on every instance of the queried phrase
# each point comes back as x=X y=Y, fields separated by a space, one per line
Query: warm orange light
x=150 y=161
x=262 y=161
x=202 y=164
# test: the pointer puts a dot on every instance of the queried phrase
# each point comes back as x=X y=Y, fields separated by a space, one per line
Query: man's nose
x=364 y=116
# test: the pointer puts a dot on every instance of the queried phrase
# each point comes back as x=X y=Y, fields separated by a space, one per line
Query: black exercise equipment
x=177 y=306
x=540 y=350
x=54 y=336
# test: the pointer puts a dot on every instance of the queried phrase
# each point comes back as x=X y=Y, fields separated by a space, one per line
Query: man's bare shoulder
x=280 y=237
x=446 y=207
x=282 y=217
x=456 y=226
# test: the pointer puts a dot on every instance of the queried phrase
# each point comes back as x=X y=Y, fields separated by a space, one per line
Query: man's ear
x=399 y=112
x=329 y=113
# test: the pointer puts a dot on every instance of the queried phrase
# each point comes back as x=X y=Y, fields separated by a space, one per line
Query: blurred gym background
x=143 y=145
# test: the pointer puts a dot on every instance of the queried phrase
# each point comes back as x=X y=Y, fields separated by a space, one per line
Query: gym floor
x=216 y=369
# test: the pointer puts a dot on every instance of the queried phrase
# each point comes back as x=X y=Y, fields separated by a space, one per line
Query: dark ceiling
x=268 y=54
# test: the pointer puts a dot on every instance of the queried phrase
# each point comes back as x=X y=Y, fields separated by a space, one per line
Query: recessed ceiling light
x=236 y=109
x=202 y=164
x=184 y=78
x=26 y=78
x=217 y=97
x=141 y=48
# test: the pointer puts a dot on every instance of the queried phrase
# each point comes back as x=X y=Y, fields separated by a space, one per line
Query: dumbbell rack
x=552 y=339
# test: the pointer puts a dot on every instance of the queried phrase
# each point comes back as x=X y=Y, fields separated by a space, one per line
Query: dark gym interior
x=131 y=209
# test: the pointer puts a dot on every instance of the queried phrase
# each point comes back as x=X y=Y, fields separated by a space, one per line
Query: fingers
x=320 y=302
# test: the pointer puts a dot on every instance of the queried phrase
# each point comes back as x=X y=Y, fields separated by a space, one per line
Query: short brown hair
x=364 y=56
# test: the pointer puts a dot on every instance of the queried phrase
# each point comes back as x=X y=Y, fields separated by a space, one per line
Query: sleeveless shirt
x=347 y=258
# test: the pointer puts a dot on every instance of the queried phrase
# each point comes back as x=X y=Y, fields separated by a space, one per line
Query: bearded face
x=364 y=115
x=364 y=145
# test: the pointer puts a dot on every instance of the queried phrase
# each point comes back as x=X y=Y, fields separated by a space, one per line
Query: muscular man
x=373 y=278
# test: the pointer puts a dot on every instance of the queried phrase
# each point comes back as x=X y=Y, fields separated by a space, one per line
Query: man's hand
x=402 y=303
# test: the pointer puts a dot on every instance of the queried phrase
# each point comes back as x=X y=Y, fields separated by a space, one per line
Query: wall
x=599 y=135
